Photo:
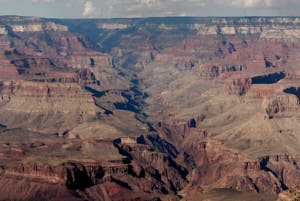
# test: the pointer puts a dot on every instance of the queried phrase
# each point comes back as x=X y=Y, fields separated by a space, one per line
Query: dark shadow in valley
x=121 y=183
x=293 y=90
x=2 y=126
x=98 y=94
x=95 y=93
x=264 y=166
x=77 y=177
x=268 y=79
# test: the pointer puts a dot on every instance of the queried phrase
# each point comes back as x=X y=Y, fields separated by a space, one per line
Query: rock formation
x=149 y=109
x=292 y=194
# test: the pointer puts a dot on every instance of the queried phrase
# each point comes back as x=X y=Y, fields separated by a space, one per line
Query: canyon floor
x=176 y=108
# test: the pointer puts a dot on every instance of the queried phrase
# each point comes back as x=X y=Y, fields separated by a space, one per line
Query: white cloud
x=282 y=3
x=68 y=5
x=240 y=3
x=90 y=10
x=146 y=8
x=269 y=3
x=252 y=3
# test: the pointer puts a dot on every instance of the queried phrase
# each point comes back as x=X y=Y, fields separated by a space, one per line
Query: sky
x=148 y=8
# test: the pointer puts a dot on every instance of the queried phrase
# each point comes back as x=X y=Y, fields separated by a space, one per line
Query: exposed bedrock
x=213 y=165
x=238 y=86
x=279 y=103
x=148 y=167
x=263 y=91
x=53 y=106
x=145 y=109
x=289 y=195
x=69 y=180
x=157 y=159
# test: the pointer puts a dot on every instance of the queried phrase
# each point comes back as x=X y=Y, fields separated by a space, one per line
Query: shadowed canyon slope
x=149 y=109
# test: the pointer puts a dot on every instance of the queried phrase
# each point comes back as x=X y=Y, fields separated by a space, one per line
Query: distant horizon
x=111 y=9
x=149 y=17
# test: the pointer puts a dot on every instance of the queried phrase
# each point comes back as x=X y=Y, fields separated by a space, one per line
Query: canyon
x=149 y=109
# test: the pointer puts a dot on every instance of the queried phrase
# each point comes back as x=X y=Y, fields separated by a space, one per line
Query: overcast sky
x=147 y=8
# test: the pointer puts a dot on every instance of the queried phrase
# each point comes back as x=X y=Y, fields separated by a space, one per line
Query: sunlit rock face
x=291 y=194
x=149 y=109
